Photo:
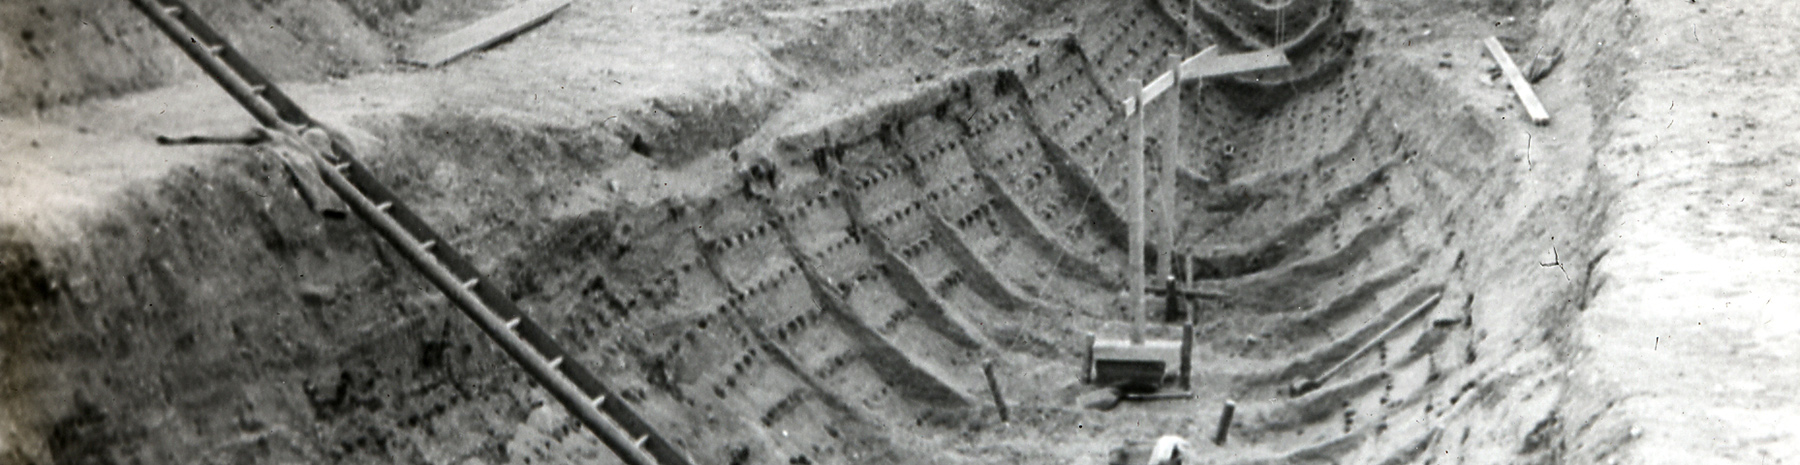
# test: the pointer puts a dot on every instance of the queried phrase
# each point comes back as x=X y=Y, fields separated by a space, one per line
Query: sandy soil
x=1596 y=279
x=1692 y=324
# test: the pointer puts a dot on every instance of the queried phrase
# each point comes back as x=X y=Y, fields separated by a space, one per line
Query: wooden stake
x=1171 y=300
x=1224 y=423
x=1533 y=107
x=1135 y=192
x=1187 y=342
x=994 y=385
x=1087 y=364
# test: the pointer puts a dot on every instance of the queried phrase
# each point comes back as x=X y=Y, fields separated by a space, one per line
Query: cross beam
x=1210 y=64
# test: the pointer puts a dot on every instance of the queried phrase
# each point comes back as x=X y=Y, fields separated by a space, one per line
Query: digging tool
x=1302 y=387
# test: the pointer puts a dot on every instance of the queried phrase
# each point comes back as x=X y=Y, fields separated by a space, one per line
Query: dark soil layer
x=836 y=305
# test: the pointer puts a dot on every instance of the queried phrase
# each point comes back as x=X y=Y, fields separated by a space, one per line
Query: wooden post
x=1189 y=260
x=994 y=385
x=1087 y=364
x=1135 y=192
x=1224 y=423
x=1187 y=342
x=1165 y=180
x=1187 y=355
x=1171 y=300
x=1171 y=163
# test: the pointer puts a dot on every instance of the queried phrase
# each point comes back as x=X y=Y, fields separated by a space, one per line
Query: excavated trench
x=834 y=302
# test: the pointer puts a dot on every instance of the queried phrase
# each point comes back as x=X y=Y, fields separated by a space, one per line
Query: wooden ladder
x=588 y=399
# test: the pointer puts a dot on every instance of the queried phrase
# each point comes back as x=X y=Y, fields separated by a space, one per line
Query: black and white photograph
x=895 y=232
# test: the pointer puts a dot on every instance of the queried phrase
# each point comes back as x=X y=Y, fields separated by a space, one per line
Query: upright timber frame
x=1137 y=363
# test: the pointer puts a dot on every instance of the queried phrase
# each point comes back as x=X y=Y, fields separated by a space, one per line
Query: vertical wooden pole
x=994 y=385
x=1187 y=354
x=1224 y=423
x=1165 y=181
x=1188 y=261
x=1134 y=188
x=1187 y=336
x=1087 y=364
x=1171 y=300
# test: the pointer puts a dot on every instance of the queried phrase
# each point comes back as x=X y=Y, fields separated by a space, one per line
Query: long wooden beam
x=1165 y=178
x=1533 y=107
x=1135 y=192
x=1210 y=64
x=487 y=31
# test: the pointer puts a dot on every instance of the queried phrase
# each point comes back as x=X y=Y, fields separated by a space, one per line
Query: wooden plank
x=1210 y=67
x=1163 y=82
x=1167 y=351
x=483 y=33
x=1533 y=107
x=1209 y=64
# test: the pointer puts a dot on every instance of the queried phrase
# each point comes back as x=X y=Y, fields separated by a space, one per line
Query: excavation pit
x=802 y=246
